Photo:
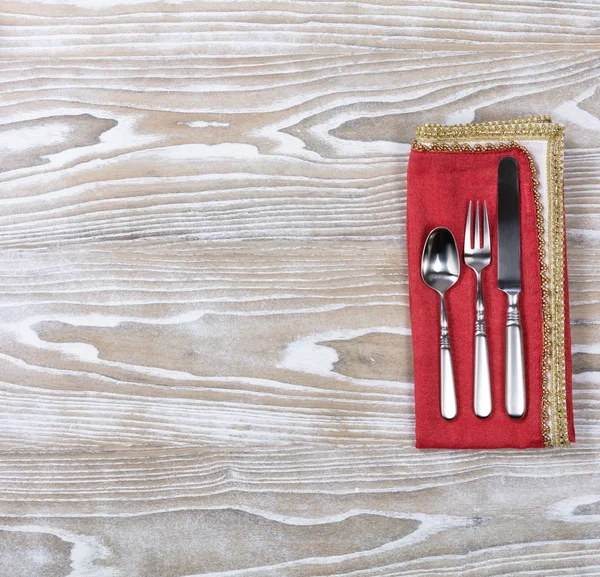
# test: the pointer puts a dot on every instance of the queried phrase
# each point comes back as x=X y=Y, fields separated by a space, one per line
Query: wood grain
x=204 y=331
x=165 y=29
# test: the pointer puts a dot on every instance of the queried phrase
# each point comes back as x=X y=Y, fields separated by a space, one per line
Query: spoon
x=440 y=267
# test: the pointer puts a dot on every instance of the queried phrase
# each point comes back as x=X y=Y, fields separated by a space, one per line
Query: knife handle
x=447 y=389
x=515 y=369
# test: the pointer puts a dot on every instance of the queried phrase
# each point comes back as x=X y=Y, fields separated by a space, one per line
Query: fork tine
x=477 y=235
x=486 y=228
x=468 y=230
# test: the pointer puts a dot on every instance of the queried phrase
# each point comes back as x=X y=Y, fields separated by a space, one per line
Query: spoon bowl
x=440 y=265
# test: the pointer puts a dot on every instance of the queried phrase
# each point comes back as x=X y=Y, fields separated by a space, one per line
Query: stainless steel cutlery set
x=440 y=269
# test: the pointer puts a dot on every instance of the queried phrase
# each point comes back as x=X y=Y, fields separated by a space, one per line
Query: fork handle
x=482 y=397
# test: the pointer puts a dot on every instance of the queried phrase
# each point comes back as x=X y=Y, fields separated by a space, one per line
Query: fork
x=477 y=255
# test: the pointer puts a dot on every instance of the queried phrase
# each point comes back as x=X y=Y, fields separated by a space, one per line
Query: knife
x=509 y=281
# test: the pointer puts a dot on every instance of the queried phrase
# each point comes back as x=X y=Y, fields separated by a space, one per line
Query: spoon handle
x=447 y=390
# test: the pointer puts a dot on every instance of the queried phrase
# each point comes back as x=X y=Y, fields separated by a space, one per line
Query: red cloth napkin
x=440 y=186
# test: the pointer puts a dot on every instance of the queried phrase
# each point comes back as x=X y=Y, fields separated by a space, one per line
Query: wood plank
x=303 y=511
x=118 y=27
x=251 y=158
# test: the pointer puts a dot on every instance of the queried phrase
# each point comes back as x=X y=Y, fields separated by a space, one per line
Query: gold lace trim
x=540 y=126
x=444 y=138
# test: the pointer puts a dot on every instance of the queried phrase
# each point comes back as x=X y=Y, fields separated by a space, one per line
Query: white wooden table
x=204 y=330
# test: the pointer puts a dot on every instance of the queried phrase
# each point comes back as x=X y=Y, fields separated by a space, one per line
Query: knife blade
x=509 y=226
x=509 y=281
